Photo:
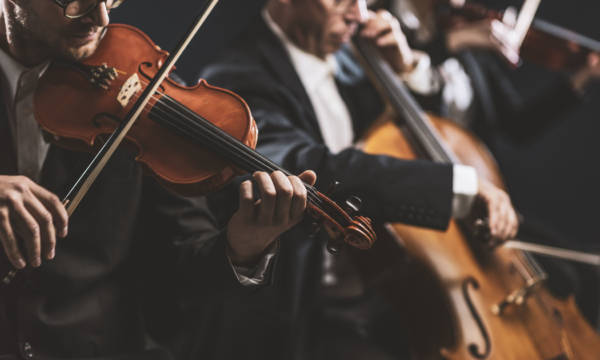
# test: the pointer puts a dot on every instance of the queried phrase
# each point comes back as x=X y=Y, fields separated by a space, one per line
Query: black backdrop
x=555 y=178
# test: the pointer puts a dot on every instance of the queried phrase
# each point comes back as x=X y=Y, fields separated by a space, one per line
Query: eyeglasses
x=74 y=9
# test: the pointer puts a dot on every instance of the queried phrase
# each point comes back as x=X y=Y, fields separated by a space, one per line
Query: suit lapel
x=279 y=62
x=8 y=159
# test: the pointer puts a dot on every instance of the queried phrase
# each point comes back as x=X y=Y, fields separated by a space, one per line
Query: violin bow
x=565 y=254
x=88 y=177
x=525 y=19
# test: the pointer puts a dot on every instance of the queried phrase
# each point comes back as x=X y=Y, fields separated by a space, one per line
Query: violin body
x=192 y=139
x=450 y=289
x=93 y=112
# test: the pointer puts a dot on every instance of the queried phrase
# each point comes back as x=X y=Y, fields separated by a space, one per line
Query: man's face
x=327 y=24
x=43 y=24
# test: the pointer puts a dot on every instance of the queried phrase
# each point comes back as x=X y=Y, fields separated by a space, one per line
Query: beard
x=42 y=39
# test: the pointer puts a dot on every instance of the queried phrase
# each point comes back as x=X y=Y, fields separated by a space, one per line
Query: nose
x=99 y=16
x=358 y=11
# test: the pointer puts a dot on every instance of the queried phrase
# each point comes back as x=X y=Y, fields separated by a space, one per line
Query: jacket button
x=27 y=350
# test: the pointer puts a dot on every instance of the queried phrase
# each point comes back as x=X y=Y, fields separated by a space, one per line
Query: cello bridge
x=516 y=298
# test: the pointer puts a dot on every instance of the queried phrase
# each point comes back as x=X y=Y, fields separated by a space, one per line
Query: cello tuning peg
x=353 y=204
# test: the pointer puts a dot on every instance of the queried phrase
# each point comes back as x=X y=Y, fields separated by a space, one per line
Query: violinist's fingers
x=505 y=41
x=309 y=177
x=60 y=217
x=28 y=231
x=9 y=241
x=285 y=193
x=46 y=226
x=246 y=206
x=268 y=196
x=594 y=59
x=593 y=64
x=299 y=200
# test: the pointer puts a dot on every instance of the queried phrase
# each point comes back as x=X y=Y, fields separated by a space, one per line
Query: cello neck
x=404 y=104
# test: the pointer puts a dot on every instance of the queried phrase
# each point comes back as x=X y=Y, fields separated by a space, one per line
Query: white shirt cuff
x=422 y=79
x=256 y=275
x=465 y=186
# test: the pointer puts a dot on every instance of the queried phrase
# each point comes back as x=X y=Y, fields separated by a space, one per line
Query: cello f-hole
x=474 y=348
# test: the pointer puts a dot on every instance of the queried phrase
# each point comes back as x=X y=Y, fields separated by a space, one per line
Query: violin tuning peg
x=333 y=187
x=353 y=204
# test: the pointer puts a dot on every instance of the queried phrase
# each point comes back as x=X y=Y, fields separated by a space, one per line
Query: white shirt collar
x=13 y=70
x=310 y=68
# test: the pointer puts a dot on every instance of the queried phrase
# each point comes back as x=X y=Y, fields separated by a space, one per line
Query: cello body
x=461 y=300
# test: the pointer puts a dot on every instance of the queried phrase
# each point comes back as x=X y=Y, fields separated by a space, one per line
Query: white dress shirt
x=317 y=76
x=19 y=83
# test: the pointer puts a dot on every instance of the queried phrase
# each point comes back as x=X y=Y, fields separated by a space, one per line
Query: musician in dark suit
x=312 y=101
x=85 y=281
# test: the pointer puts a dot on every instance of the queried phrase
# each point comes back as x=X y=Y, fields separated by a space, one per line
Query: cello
x=461 y=299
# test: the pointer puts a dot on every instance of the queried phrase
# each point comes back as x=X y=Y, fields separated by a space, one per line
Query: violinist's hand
x=257 y=223
x=590 y=71
x=384 y=30
x=502 y=219
x=32 y=215
x=486 y=34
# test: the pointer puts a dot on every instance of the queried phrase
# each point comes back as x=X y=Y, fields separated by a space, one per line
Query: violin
x=462 y=298
x=193 y=140
x=543 y=43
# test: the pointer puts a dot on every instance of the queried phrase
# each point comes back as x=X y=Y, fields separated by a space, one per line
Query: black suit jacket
x=131 y=246
x=259 y=69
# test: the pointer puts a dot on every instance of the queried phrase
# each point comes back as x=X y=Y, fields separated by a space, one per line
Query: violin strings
x=258 y=161
x=201 y=126
x=244 y=152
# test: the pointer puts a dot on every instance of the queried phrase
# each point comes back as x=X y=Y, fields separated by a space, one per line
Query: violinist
x=84 y=278
x=473 y=79
x=312 y=101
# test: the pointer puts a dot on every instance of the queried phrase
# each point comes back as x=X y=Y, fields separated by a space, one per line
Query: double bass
x=461 y=299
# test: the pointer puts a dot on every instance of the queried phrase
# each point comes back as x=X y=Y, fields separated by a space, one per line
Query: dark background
x=555 y=178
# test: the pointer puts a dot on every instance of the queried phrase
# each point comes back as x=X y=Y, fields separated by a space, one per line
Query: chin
x=79 y=53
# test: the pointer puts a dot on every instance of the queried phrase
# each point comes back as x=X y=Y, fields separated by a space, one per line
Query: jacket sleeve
x=413 y=192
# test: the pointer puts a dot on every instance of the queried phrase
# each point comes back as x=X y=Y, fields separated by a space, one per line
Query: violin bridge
x=129 y=89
